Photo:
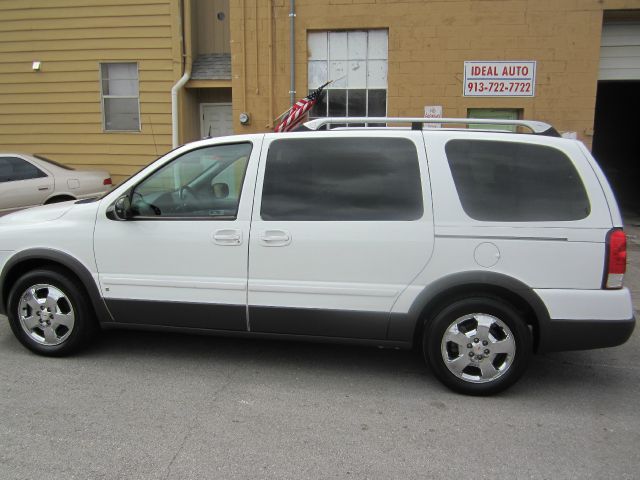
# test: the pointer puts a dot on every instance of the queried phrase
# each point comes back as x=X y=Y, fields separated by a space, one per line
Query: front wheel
x=478 y=345
x=49 y=313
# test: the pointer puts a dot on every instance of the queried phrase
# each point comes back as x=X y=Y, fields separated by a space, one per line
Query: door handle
x=227 y=237
x=43 y=188
x=275 y=238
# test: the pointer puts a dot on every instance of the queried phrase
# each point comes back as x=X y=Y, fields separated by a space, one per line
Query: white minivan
x=478 y=247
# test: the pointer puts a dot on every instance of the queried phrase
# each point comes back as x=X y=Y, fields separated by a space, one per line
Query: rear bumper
x=559 y=335
x=584 y=319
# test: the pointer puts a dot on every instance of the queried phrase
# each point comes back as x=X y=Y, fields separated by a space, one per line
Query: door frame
x=202 y=105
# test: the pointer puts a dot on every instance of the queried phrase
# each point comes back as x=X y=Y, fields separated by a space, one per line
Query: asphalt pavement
x=167 y=406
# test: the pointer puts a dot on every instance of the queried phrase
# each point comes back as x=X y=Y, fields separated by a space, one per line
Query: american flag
x=292 y=117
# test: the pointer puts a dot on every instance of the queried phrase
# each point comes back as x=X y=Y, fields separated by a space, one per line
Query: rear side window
x=14 y=168
x=342 y=179
x=516 y=182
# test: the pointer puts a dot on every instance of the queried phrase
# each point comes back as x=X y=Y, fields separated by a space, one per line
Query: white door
x=339 y=230
x=620 y=52
x=216 y=120
x=22 y=184
x=181 y=259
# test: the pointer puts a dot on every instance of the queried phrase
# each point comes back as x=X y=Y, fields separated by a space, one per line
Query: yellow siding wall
x=57 y=111
x=429 y=40
x=212 y=34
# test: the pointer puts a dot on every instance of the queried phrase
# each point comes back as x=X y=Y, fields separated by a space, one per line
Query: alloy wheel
x=46 y=314
x=478 y=348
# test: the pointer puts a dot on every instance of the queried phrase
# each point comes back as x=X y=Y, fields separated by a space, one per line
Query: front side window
x=323 y=179
x=14 y=168
x=516 y=182
x=357 y=63
x=120 y=105
x=202 y=183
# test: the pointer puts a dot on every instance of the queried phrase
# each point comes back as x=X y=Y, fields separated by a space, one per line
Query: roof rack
x=537 y=128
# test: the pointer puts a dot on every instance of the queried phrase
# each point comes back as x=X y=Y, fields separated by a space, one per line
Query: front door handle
x=227 y=236
x=275 y=238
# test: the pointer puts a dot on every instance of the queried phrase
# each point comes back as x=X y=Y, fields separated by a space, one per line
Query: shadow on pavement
x=562 y=373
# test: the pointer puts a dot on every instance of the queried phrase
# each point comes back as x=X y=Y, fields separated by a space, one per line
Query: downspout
x=292 y=49
x=270 y=125
x=175 y=90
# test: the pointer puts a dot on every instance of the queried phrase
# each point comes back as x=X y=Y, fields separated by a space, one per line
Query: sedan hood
x=44 y=213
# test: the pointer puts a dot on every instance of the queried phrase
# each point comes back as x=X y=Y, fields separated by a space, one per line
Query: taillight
x=616 y=259
x=107 y=181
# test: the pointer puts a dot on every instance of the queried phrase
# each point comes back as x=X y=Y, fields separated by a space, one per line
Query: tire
x=478 y=345
x=50 y=314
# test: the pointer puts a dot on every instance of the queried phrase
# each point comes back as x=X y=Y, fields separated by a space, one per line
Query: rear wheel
x=49 y=313
x=478 y=345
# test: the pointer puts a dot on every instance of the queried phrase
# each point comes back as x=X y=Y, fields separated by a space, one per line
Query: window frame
x=422 y=197
x=131 y=189
x=103 y=97
x=524 y=221
x=346 y=89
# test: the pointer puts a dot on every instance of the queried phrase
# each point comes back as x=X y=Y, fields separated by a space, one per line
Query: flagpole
x=279 y=117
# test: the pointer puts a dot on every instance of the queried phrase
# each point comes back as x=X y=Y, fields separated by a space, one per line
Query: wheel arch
x=27 y=260
x=452 y=287
x=59 y=197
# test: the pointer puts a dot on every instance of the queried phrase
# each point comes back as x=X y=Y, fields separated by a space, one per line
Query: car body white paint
x=176 y=260
x=344 y=265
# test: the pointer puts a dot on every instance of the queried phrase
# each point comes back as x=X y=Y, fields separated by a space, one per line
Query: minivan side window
x=516 y=182
x=348 y=179
x=202 y=183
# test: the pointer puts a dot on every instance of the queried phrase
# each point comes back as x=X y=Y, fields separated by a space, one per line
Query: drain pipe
x=292 y=49
x=186 y=39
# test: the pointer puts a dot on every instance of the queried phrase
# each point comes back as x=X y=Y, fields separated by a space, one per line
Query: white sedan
x=29 y=180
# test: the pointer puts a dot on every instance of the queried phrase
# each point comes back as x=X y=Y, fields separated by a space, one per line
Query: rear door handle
x=275 y=238
x=43 y=188
x=227 y=237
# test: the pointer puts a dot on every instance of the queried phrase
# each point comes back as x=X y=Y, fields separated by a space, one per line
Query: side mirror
x=120 y=209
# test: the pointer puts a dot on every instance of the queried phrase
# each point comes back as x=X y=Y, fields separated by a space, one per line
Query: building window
x=356 y=61
x=120 y=103
x=495 y=114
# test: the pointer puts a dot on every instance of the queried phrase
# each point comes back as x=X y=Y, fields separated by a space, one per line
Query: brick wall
x=428 y=44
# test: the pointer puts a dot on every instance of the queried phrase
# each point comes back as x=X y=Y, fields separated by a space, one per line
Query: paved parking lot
x=161 y=406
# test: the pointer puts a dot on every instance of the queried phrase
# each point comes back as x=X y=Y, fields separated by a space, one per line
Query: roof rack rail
x=537 y=128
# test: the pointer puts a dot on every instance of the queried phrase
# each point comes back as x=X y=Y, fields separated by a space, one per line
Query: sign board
x=499 y=79
x=432 y=111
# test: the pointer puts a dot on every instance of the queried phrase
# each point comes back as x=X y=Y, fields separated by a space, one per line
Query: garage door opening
x=616 y=141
